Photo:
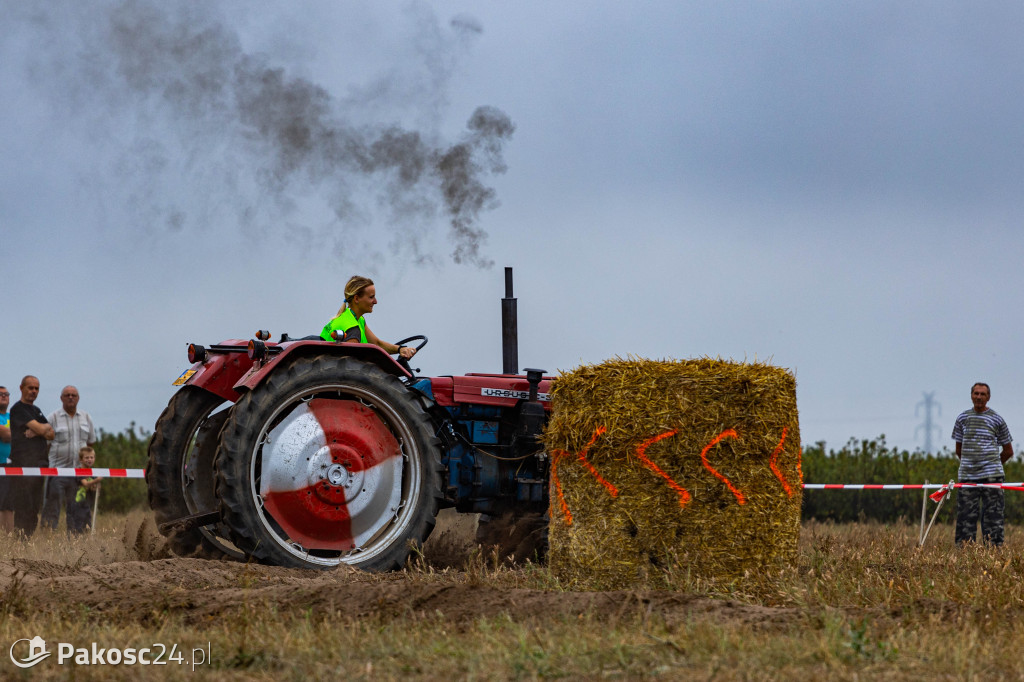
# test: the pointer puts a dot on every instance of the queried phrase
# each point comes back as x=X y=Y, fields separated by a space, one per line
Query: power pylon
x=928 y=426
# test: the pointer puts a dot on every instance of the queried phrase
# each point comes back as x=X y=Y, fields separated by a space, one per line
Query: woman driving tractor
x=350 y=325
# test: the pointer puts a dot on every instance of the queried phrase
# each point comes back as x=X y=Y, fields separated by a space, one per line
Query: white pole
x=924 y=513
x=95 y=505
x=949 y=493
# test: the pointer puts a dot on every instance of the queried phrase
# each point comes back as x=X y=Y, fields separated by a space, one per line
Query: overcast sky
x=835 y=188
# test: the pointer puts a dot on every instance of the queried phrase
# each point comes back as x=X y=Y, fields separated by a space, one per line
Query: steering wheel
x=405 y=363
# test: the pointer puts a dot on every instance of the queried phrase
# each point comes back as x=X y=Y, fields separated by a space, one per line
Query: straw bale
x=632 y=496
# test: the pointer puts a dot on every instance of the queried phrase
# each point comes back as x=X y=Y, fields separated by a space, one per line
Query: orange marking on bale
x=597 y=432
x=728 y=433
x=612 y=490
x=641 y=453
x=775 y=469
x=555 y=456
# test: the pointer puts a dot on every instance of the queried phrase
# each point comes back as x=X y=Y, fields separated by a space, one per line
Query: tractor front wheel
x=331 y=460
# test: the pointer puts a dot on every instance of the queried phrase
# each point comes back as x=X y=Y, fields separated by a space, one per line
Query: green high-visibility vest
x=344 y=322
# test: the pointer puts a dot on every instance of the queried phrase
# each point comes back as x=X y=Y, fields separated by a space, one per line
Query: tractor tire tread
x=174 y=430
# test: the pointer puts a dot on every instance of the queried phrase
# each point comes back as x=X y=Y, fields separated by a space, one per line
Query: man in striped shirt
x=983 y=444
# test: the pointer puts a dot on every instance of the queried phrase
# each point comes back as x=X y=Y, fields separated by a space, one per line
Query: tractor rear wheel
x=330 y=461
x=179 y=475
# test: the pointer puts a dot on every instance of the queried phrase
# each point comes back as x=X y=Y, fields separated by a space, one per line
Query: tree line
x=872 y=461
x=125 y=450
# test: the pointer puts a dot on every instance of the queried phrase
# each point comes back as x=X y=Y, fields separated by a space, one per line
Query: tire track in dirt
x=201 y=590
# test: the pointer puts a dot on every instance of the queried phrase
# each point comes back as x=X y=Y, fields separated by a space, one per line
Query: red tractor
x=309 y=453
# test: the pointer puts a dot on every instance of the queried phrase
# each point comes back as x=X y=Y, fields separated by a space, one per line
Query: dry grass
x=860 y=602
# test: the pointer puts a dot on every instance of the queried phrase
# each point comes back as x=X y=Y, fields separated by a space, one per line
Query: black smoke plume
x=180 y=62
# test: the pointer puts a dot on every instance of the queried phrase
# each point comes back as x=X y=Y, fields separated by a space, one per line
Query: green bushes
x=873 y=462
x=126 y=450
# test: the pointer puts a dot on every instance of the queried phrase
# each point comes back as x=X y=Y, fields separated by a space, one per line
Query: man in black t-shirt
x=30 y=443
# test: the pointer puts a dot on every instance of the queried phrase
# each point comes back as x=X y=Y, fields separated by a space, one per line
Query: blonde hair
x=84 y=449
x=352 y=288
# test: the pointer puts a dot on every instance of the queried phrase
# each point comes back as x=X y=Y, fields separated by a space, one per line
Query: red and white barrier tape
x=872 y=486
x=78 y=473
x=906 y=486
x=141 y=473
x=941 y=489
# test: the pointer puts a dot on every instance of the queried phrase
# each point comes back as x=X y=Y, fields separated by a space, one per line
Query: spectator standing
x=30 y=436
x=6 y=510
x=73 y=429
x=983 y=444
x=81 y=519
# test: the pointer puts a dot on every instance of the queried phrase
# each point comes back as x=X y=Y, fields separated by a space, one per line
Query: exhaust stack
x=509 y=329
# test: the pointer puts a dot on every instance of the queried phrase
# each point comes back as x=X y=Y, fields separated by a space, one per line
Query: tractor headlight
x=196 y=353
x=256 y=350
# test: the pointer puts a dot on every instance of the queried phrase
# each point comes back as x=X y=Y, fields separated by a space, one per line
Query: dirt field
x=200 y=590
x=862 y=602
